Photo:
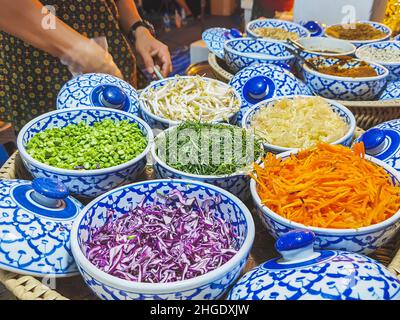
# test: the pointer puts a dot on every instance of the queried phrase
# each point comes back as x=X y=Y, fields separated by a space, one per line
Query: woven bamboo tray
x=29 y=288
x=367 y=113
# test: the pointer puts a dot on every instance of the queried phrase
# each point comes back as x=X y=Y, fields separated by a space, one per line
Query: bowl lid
x=98 y=90
x=302 y=273
x=215 y=39
x=35 y=225
x=260 y=82
x=383 y=142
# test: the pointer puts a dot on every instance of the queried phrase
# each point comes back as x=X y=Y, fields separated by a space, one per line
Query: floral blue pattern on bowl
x=346 y=88
x=344 y=113
x=157 y=122
x=393 y=67
x=391 y=91
x=276 y=23
x=379 y=26
x=264 y=81
x=85 y=183
x=237 y=184
x=304 y=274
x=35 y=226
x=243 y=52
x=383 y=142
x=363 y=240
x=98 y=90
x=209 y=286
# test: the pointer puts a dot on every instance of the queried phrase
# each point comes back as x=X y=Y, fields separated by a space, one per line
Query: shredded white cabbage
x=192 y=98
x=300 y=122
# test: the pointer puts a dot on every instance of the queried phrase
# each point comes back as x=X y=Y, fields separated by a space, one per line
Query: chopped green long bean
x=81 y=146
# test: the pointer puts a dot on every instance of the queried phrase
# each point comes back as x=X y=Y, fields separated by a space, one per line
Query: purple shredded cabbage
x=176 y=239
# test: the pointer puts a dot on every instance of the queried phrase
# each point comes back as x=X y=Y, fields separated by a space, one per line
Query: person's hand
x=152 y=52
x=87 y=57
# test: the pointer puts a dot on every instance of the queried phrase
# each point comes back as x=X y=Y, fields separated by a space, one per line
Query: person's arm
x=23 y=19
x=152 y=51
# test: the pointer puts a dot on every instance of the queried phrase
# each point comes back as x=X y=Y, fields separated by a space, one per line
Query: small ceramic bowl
x=363 y=240
x=158 y=122
x=316 y=45
x=338 y=108
x=276 y=23
x=340 y=47
x=237 y=184
x=84 y=183
x=243 y=52
x=346 y=88
x=393 y=67
x=358 y=43
x=208 y=286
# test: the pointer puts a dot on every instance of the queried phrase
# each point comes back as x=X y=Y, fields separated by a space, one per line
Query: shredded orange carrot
x=328 y=186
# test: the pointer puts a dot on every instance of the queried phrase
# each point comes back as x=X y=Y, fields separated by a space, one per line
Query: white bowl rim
x=396 y=42
x=146 y=110
x=158 y=288
x=388 y=35
x=264 y=57
x=349 y=133
x=329 y=231
x=250 y=23
x=349 y=79
x=325 y=39
x=182 y=173
x=78 y=173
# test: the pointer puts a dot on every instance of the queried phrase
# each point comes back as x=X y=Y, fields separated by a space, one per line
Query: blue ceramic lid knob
x=51 y=188
x=294 y=240
x=373 y=138
x=235 y=33
x=258 y=88
x=112 y=96
x=48 y=192
x=314 y=27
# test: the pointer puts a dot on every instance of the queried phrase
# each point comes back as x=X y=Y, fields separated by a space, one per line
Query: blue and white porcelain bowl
x=363 y=240
x=85 y=183
x=209 y=286
x=304 y=274
x=346 y=88
x=98 y=90
x=393 y=67
x=158 y=122
x=237 y=184
x=316 y=45
x=243 y=52
x=358 y=43
x=264 y=81
x=346 y=115
x=276 y=23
